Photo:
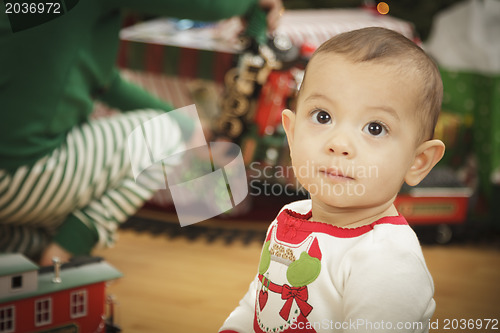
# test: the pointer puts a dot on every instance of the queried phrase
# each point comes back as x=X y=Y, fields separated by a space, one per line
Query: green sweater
x=51 y=73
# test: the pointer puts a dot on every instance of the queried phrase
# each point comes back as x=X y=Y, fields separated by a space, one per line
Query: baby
x=346 y=260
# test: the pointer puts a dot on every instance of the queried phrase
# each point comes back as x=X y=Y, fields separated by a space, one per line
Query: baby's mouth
x=335 y=174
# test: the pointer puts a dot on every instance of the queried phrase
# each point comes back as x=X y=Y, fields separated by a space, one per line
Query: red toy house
x=69 y=299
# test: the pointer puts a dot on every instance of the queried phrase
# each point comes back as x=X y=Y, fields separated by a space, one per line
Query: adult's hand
x=54 y=250
x=274 y=9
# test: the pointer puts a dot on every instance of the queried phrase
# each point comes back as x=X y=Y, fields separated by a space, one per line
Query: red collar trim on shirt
x=290 y=220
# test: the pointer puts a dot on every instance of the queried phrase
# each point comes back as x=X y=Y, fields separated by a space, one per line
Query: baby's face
x=353 y=136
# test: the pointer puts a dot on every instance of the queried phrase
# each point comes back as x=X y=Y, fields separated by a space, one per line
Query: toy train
x=67 y=298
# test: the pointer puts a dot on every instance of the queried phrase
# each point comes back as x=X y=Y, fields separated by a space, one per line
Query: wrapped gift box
x=160 y=46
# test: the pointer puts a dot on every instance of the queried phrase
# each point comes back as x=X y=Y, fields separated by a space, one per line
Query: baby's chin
x=349 y=203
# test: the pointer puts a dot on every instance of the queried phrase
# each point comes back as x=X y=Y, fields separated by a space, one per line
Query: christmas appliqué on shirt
x=290 y=262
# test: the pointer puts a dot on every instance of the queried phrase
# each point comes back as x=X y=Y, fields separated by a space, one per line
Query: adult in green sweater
x=65 y=180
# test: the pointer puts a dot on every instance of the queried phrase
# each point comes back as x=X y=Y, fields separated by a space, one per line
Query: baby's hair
x=389 y=47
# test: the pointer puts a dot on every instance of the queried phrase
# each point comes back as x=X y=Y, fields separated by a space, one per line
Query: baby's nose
x=340 y=146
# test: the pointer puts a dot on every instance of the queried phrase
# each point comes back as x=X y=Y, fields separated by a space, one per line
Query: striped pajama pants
x=89 y=176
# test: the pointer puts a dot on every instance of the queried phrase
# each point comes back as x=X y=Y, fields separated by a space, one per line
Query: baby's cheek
x=387 y=180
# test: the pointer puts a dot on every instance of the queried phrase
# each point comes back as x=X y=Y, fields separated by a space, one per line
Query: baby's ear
x=288 y=120
x=426 y=157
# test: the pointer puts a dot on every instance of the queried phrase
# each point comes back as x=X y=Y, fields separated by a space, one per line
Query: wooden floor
x=177 y=285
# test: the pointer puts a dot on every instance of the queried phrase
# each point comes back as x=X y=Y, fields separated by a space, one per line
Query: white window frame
x=74 y=306
x=4 y=320
x=43 y=312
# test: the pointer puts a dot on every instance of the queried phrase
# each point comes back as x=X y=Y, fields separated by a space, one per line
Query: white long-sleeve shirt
x=316 y=277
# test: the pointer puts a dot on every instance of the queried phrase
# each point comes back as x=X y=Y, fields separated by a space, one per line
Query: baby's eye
x=375 y=129
x=321 y=117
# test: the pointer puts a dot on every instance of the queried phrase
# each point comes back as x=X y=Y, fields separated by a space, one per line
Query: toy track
x=472 y=235
x=193 y=232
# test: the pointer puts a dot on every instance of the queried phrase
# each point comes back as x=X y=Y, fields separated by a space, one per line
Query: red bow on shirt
x=300 y=295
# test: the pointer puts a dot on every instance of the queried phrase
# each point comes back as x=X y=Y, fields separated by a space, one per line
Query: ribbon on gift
x=300 y=295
